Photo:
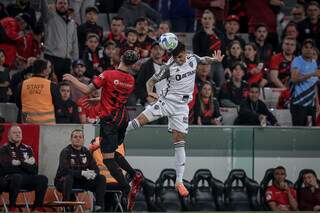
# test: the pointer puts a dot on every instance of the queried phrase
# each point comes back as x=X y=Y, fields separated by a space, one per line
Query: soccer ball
x=168 y=41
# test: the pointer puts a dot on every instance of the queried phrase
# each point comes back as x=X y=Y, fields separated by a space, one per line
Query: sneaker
x=135 y=187
x=183 y=191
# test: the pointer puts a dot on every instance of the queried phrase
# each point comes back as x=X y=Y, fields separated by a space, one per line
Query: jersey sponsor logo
x=179 y=77
x=84 y=160
x=117 y=83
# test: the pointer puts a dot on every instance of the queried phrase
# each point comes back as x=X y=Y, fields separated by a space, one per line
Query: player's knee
x=178 y=136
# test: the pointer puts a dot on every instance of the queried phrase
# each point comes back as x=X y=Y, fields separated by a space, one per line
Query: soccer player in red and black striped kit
x=116 y=86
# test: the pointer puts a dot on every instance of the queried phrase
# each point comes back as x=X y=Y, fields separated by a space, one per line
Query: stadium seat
x=283 y=116
x=228 y=115
x=134 y=111
x=207 y=192
x=166 y=195
x=76 y=192
x=9 y=112
x=267 y=181
x=241 y=192
x=271 y=96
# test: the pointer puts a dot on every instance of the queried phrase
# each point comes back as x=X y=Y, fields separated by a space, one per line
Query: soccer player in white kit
x=173 y=101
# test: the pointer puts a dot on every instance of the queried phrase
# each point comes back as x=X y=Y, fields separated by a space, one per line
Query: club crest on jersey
x=156 y=107
x=116 y=82
x=101 y=76
x=191 y=64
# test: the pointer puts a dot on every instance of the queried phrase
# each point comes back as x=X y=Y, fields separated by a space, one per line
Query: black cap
x=78 y=62
x=92 y=9
x=130 y=57
x=309 y=41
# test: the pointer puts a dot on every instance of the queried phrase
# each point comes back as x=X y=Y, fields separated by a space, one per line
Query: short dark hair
x=254 y=85
x=92 y=9
x=309 y=171
x=313 y=3
x=167 y=22
x=131 y=30
x=141 y=19
x=64 y=83
x=260 y=25
x=76 y=130
x=130 y=57
x=279 y=168
x=118 y=18
x=238 y=63
x=179 y=49
x=109 y=43
x=309 y=41
x=39 y=66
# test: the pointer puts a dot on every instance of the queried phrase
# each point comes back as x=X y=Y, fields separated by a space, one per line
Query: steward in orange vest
x=38 y=97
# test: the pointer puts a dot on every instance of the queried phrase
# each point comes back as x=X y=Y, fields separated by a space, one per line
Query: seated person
x=310 y=194
x=280 y=196
x=253 y=111
x=20 y=170
x=207 y=110
x=234 y=91
x=78 y=169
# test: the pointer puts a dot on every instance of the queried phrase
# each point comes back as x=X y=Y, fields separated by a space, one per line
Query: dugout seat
x=241 y=192
x=264 y=184
x=298 y=185
x=167 y=198
x=207 y=191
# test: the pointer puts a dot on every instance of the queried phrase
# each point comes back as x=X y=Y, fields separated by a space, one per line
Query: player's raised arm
x=86 y=89
x=216 y=57
x=164 y=73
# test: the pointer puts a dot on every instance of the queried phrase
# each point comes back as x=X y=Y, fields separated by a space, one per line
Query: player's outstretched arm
x=86 y=89
x=149 y=86
x=216 y=57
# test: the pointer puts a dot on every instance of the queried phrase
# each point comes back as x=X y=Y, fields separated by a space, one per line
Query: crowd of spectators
x=263 y=47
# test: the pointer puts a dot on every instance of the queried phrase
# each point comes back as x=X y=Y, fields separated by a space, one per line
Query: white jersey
x=180 y=78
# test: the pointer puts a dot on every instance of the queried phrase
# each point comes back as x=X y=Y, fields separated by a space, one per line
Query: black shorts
x=112 y=130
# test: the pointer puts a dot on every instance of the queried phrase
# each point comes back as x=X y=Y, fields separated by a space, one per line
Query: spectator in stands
x=217 y=7
x=254 y=111
x=78 y=169
x=79 y=7
x=4 y=79
x=297 y=13
x=90 y=26
x=109 y=48
x=164 y=27
x=291 y=31
x=264 y=49
x=203 y=75
x=310 y=26
x=255 y=69
x=144 y=40
x=20 y=170
x=78 y=70
x=89 y=107
x=309 y=195
x=11 y=36
x=234 y=54
x=280 y=196
x=179 y=13
x=131 y=10
x=38 y=97
x=61 y=39
x=208 y=39
x=281 y=63
x=94 y=58
x=231 y=26
x=304 y=77
x=68 y=113
x=261 y=12
x=234 y=91
x=116 y=33
x=207 y=111
x=22 y=6
x=147 y=69
x=132 y=41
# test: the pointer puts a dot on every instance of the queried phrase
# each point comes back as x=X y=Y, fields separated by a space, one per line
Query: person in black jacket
x=253 y=111
x=20 y=169
x=147 y=69
x=69 y=110
x=90 y=26
x=78 y=169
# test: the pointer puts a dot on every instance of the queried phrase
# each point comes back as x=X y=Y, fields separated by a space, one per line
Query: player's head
x=129 y=58
x=279 y=174
x=179 y=54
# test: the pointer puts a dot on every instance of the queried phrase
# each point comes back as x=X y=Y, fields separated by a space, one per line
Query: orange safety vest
x=36 y=100
x=97 y=155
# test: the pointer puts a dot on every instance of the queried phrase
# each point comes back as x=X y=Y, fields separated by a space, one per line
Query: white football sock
x=180 y=159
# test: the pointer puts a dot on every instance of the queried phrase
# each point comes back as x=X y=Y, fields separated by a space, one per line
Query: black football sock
x=123 y=163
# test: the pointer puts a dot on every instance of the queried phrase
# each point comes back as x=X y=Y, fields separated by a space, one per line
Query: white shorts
x=177 y=113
